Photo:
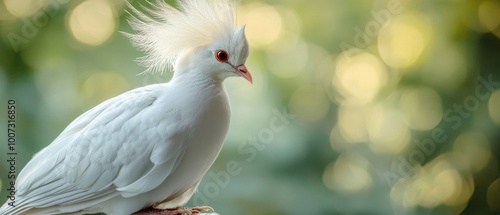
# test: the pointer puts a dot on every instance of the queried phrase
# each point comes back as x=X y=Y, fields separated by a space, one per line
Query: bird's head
x=200 y=36
x=226 y=56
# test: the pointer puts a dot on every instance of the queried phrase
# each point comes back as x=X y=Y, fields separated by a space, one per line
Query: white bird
x=149 y=147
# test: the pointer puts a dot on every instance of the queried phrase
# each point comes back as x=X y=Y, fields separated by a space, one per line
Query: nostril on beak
x=243 y=71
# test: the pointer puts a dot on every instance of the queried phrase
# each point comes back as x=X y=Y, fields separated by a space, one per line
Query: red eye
x=222 y=56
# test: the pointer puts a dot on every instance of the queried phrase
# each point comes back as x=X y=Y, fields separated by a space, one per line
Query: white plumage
x=168 y=32
x=149 y=146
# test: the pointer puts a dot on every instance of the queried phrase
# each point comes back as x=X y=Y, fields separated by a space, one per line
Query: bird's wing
x=124 y=146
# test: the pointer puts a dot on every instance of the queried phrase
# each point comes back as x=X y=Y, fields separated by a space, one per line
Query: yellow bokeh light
x=23 y=8
x=387 y=131
x=290 y=30
x=92 y=22
x=349 y=173
x=352 y=122
x=448 y=186
x=470 y=17
x=493 y=195
x=464 y=182
x=265 y=21
x=309 y=103
x=421 y=108
x=439 y=188
x=494 y=106
x=360 y=77
x=437 y=183
x=489 y=16
x=473 y=150
x=403 y=40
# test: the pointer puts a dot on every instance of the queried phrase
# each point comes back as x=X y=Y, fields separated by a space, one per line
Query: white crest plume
x=164 y=33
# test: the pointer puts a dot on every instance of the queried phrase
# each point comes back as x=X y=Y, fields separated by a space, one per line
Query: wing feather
x=124 y=146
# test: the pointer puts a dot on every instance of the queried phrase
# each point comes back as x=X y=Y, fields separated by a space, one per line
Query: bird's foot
x=173 y=211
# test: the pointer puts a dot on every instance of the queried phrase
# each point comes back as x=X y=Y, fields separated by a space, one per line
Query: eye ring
x=222 y=56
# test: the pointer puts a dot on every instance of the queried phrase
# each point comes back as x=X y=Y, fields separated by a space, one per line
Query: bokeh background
x=395 y=103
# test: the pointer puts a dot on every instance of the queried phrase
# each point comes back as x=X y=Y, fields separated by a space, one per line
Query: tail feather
x=7 y=209
x=26 y=210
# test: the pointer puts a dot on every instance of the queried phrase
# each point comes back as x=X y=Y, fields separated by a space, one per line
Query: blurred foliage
x=397 y=102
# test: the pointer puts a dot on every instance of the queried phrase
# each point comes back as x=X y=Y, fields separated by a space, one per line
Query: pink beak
x=243 y=71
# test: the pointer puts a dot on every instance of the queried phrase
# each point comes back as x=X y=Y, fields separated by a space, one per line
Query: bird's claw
x=202 y=208
x=174 y=211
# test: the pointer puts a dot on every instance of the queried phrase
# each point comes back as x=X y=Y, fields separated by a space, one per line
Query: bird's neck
x=196 y=78
x=200 y=92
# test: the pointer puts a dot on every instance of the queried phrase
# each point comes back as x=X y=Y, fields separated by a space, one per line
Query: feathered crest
x=164 y=32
